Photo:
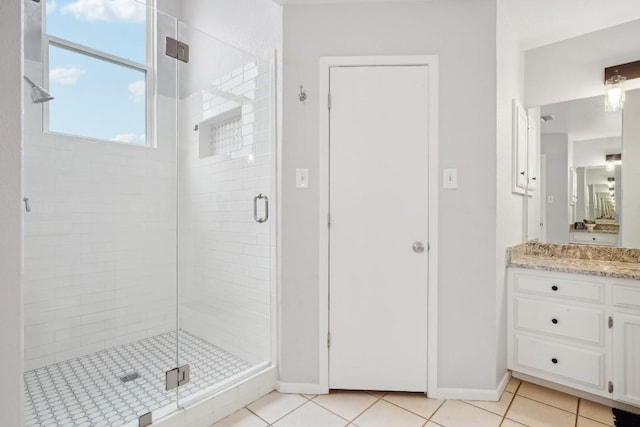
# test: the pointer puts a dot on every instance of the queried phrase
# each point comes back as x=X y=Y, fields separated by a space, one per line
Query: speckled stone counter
x=621 y=263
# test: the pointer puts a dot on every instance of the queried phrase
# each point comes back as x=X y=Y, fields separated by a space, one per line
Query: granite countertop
x=621 y=263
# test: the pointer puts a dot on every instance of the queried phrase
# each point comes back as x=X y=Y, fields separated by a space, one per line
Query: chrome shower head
x=38 y=94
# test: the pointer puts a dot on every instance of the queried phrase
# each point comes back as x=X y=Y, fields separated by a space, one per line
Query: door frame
x=326 y=63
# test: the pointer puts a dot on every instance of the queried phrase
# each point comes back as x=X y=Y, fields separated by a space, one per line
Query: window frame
x=148 y=70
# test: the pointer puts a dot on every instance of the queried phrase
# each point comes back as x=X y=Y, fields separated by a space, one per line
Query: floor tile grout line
x=515 y=393
x=329 y=410
x=477 y=407
x=470 y=402
x=543 y=403
x=378 y=398
x=408 y=410
x=294 y=409
x=437 y=409
x=247 y=408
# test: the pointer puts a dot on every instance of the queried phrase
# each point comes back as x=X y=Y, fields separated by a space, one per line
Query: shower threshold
x=114 y=387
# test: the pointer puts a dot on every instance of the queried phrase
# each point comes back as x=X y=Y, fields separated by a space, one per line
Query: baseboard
x=577 y=393
x=301 y=388
x=492 y=395
x=217 y=406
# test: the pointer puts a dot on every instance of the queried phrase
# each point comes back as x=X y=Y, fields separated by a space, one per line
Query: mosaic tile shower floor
x=88 y=391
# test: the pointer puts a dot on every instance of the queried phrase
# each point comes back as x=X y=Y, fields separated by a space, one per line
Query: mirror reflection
x=581 y=173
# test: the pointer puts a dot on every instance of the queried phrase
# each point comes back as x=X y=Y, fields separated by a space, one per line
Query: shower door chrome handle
x=27 y=206
x=266 y=208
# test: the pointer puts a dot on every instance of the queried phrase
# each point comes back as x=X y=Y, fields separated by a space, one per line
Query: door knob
x=418 y=247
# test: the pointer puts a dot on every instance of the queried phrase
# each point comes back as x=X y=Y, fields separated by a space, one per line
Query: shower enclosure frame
x=259 y=379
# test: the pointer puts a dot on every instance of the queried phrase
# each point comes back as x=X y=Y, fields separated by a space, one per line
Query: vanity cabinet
x=525 y=150
x=626 y=342
x=580 y=331
x=593 y=238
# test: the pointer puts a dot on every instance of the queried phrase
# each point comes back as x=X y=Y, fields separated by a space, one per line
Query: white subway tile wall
x=225 y=262
x=100 y=243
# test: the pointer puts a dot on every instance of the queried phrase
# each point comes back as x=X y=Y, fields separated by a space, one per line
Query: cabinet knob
x=554 y=321
x=554 y=361
x=593 y=238
x=554 y=287
x=522 y=173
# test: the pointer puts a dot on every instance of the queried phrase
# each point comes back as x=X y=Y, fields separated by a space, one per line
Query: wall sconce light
x=613 y=160
x=614 y=78
x=614 y=96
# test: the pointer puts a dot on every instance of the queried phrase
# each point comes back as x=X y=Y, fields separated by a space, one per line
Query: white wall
x=509 y=206
x=556 y=148
x=592 y=152
x=11 y=213
x=463 y=34
x=99 y=245
x=630 y=193
x=574 y=68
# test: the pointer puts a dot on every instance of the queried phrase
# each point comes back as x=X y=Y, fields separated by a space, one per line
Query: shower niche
x=220 y=134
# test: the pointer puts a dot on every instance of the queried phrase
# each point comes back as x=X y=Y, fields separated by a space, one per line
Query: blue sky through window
x=93 y=97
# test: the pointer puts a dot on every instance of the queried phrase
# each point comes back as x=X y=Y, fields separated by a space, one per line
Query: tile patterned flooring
x=88 y=391
x=522 y=404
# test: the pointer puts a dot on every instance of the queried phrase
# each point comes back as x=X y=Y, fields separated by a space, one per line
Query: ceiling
x=582 y=119
x=542 y=22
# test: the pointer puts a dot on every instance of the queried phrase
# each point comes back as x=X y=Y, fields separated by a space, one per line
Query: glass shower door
x=226 y=213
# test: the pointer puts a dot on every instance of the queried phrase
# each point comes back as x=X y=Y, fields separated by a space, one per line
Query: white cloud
x=106 y=10
x=130 y=138
x=137 y=90
x=66 y=76
x=51 y=6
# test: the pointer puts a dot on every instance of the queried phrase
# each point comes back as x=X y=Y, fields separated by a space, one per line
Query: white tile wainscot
x=575 y=330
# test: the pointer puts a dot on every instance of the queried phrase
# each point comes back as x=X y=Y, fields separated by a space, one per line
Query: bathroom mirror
x=577 y=180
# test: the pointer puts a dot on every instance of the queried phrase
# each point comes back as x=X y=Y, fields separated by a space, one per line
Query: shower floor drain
x=130 y=377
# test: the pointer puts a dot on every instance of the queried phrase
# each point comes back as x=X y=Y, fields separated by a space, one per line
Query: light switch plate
x=450 y=179
x=302 y=178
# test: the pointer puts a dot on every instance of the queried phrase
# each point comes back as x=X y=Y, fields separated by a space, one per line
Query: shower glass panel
x=226 y=217
x=100 y=274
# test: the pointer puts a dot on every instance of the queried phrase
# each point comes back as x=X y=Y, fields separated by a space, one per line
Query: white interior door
x=378 y=204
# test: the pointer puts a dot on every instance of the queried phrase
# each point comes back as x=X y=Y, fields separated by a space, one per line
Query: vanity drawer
x=626 y=296
x=549 y=285
x=605 y=239
x=575 y=364
x=561 y=320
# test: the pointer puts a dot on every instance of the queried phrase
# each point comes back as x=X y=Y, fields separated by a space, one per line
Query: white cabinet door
x=520 y=133
x=532 y=152
x=626 y=345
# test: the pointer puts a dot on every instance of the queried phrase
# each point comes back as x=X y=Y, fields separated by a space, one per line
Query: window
x=98 y=66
